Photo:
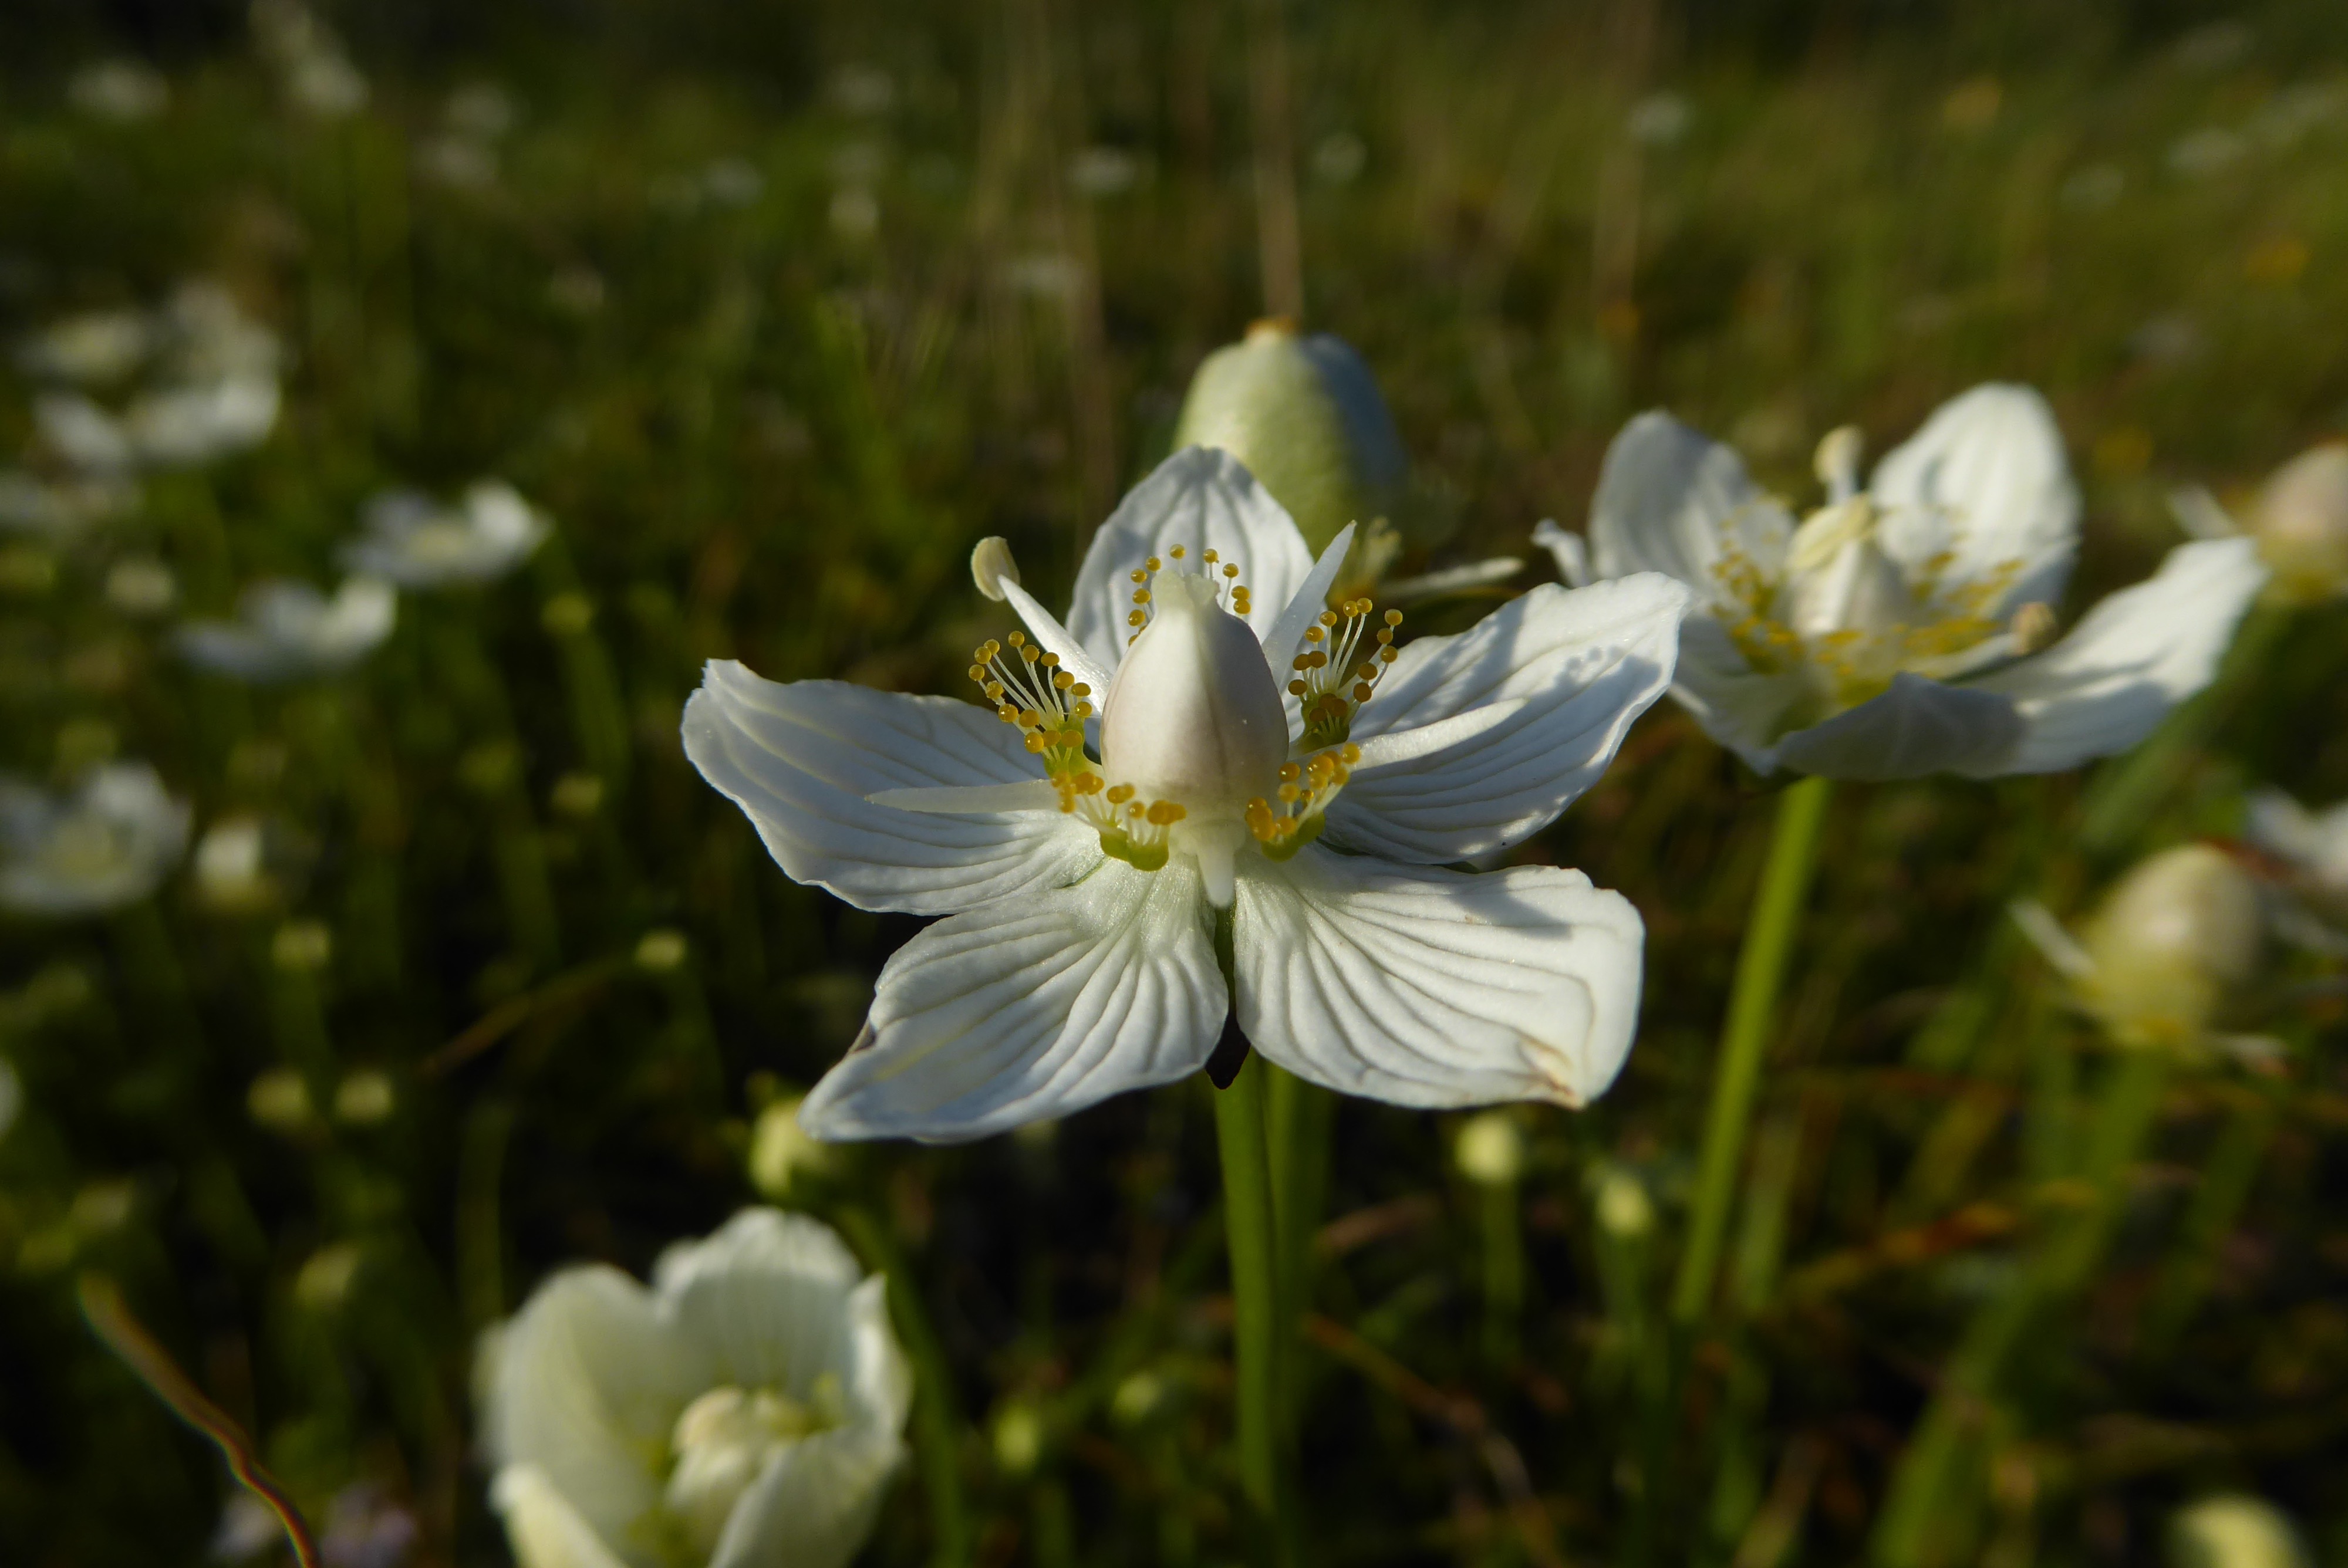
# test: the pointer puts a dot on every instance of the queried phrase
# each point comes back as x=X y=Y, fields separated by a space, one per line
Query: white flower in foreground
x=1904 y=628
x=1138 y=781
x=418 y=543
x=108 y=844
x=286 y=630
x=2166 y=953
x=2299 y=522
x=745 y=1412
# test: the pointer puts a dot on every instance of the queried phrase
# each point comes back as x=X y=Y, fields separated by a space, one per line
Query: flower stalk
x=1752 y=1010
x=1250 y=1227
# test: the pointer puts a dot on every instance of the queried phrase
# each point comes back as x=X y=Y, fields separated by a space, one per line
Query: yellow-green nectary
x=2171 y=943
x=1303 y=415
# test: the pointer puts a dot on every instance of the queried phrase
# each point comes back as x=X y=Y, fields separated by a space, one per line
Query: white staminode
x=747 y=1410
x=287 y=631
x=1907 y=627
x=107 y=844
x=1203 y=734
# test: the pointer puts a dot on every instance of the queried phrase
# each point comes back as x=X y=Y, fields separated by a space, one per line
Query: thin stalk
x=1752 y=1010
x=1504 y=1272
x=1298 y=1123
x=1250 y=1229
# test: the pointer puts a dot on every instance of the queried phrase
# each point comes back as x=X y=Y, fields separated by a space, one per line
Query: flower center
x=725 y=1438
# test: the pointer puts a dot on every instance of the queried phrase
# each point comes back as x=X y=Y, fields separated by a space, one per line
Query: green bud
x=2233 y=1530
x=1490 y=1148
x=1304 y=415
x=2171 y=943
x=2300 y=523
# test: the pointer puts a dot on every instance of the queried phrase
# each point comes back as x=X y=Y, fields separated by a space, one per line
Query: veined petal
x=1200 y=498
x=973 y=800
x=762 y=1302
x=1579 y=664
x=813 y=1503
x=543 y=1529
x=1917 y=727
x=1433 y=988
x=1057 y=639
x=1673 y=501
x=1281 y=637
x=801 y=758
x=1032 y=1008
x=1984 y=488
x=587 y=1382
x=2129 y=661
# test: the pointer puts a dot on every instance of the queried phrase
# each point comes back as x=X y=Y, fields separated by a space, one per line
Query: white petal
x=1200 y=499
x=1738 y=706
x=1570 y=551
x=762 y=1302
x=1581 y=662
x=1435 y=988
x=1305 y=606
x=588 y=1381
x=801 y=758
x=880 y=1388
x=1669 y=498
x=1985 y=485
x=1917 y=727
x=1032 y=1008
x=2196 y=511
x=2132 y=658
x=1057 y=639
x=1451 y=580
x=813 y=1504
x=973 y=800
x=545 y=1530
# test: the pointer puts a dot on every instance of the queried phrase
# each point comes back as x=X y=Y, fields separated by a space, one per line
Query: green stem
x=1299 y=1124
x=1249 y=1227
x=1752 y=1009
x=2227 y=1178
x=1504 y=1273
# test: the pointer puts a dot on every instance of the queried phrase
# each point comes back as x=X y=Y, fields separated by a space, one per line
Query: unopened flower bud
x=661 y=951
x=364 y=1098
x=1018 y=1437
x=1490 y=1149
x=2170 y=944
x=325 y=1282
x=1303 y=416
x=280 y=1101
x=990 y=565
x=1624 y=1208
x=2300 y=523
x=780 y=1149
x=2233 y=1530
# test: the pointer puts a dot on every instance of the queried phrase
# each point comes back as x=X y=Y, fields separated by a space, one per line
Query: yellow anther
x=1362 y=691
x=1062 y=680
x=1388 y=655
x=1018 y=640
x=1154 y=564
x=1176 y=552
x=1290 y=772
x=1141 y=595
x=1230 y=572
x=1080 y=690
x=1313 y=635
x=1351 y=752
x=1137 y=617
x=1328 y=618
x=1209 y=558
x=1138 y=576
x=1288 y=794
x=1031 y=653
x=1039 y=742
x=1051 y=661
x=1134 y=809
x=1118 y=794
x=1297 y=688
x=1394 y=618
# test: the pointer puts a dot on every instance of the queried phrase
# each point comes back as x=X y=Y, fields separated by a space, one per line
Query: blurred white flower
x=109 y=843
x=1104 y=172
x=92 y=349
x=864 y=89
x=1339 y=158
x=122 y=90
x=854 y=213
x=2167 y=949
x=733 y=182
x=2311 y=848
x=141 y=585
x=308 y=56
x=1897 y=631
x=245 y=863
x=2300 y=523
x=2234 y=1530
x=2210 y=150
x=747 y=1410
x=482 y=111
x=246 y=1528
x=288 y=631
x=59 y=508
x=1660 y=119
x=417 y=542
x=1081 y=960
x=466 y=162
x=366 y=1529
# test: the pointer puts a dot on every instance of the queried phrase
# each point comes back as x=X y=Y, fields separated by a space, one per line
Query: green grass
x=763 y=434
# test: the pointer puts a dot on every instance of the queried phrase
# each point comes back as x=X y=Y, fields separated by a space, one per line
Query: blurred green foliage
x=775 y=310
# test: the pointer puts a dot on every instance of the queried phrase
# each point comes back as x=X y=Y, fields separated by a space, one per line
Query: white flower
x=2310 y=846
x=418 y=543
x=2300 y=523
x=108 y=844
x=1897 y=630
x=60 y=507
x=744 y=1412
x=285 y=631
x=121 y=89
x=213 y=390
x=1088 y=858
x=90 y=349
x=317 y=74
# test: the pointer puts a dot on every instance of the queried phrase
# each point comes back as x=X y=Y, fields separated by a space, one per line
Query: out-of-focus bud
x=1137 y=1399
x=1623 y=1206
x=325 y=1282
x=1304 y=413
x=2233 y=1530
x=302 y=947
x=780 y=1149
x=280 y=1101
x=364 y=1098
x=2301 y=522
x=1490 y=1149
x=2170 y=944
x=1018 y=1437
x=662 y=951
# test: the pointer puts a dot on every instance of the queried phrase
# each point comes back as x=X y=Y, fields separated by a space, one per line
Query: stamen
x=1331 y=682
x=1305 y=794
x=1047 y=704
